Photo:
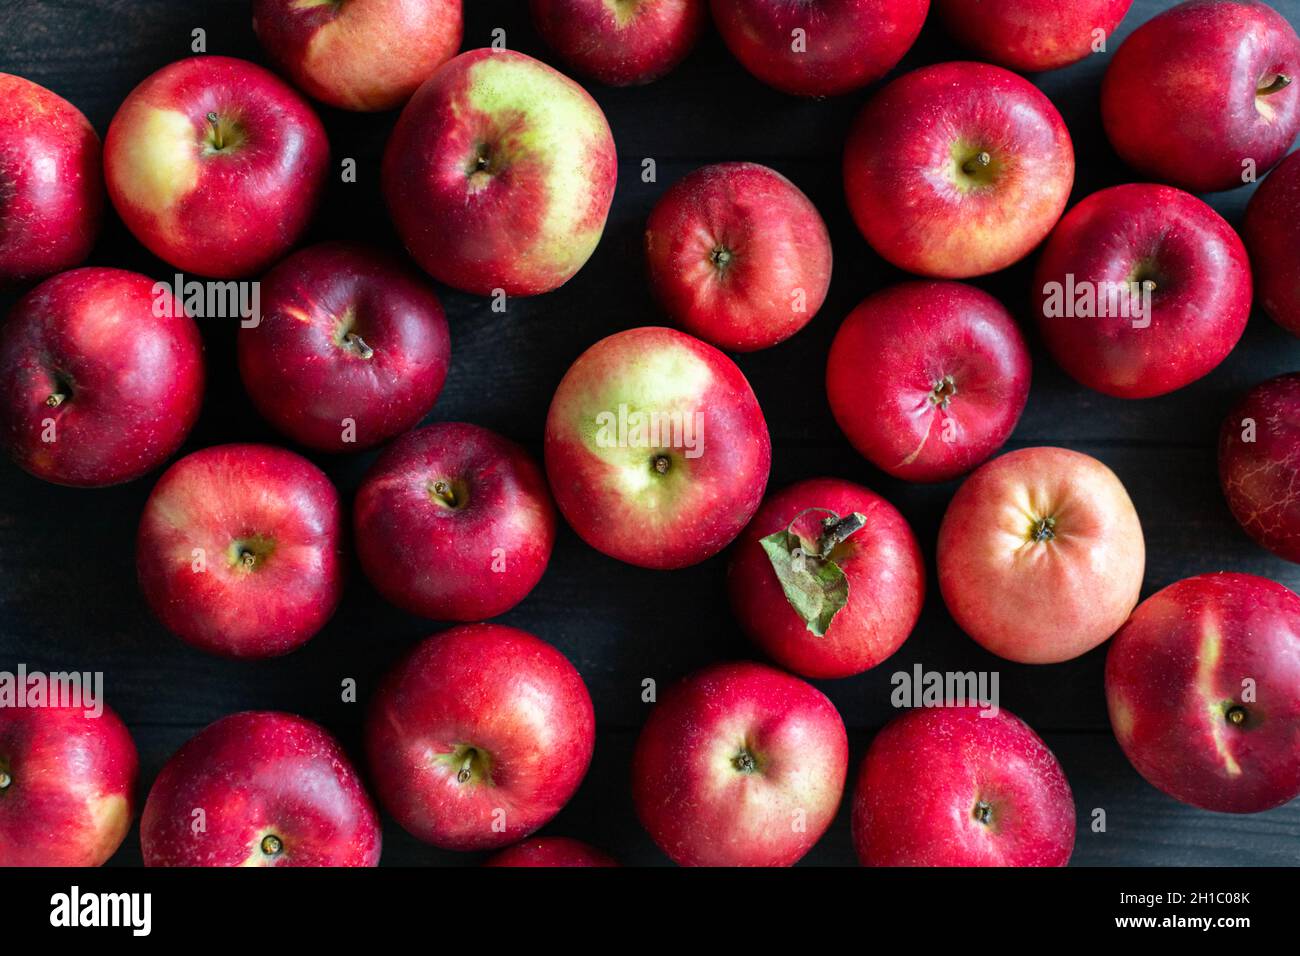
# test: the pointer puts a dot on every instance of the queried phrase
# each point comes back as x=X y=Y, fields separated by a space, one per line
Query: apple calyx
x=56 y=399
x=5 y=780
x=1043 y=530
x=745 y=761
x=272 y=845
x=1235 y=714
x=943 y=391
x=983 y=812
x=815 y=585
x=661 y=464
x=720 y=258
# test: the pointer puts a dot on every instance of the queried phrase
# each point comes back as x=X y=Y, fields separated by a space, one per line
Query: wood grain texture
x=68 y=597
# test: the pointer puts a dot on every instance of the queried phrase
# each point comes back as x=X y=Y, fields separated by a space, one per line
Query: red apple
x=1259 y=464
x=351 y=348
x=819 y=49
x=868 y=584
x=1203 y=687
x=959 y=786
x=67 y=785
x=101 y=377
x=454 y=522
x=739 y=765
x=656 y=449
x=1041 y=555
x=1201 y=95
x=479 y=737
x=51 y=184
x=957 y=169
x=359 y=54
x=928 y=379
x=260 y=788
x=1272 y=233
x=500 y=174
x=1032 y=35
x=240 y=550
x=215 y=165
x=1142 y=289
x=738 y=256
x=623 y=43
x=549 y=852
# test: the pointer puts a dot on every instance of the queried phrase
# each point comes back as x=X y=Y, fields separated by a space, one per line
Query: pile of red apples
x=499 y=175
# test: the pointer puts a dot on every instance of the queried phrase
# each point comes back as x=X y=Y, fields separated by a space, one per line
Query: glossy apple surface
x=51 y=183
x=675 y=485
x=1032 y=35
x=239 y=551
x=882 y=563
x=67 y=785
x=260 y=788
x=551 y=852
x=842 y=44
x=623 y=42
x=952 y=787
x=352 y=348
x=1204 y=93
x=957 y=169
x=1125 y=239
x=359 y=54
x=479 y=737
x=215 y=165
x=101 y=377
x=928 y=379
x=454 y=523
x=1203 y=687
x=1259 y=464
x=1272 y=233
x=738 y=256
x=500 y=174
x=739 y=764
x=1041 y=555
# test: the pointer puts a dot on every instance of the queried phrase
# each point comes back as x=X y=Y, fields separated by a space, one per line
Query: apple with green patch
x=1203 y=688
x=499 y=174
x=215 y=164
x=359 y=54
x=656 y=449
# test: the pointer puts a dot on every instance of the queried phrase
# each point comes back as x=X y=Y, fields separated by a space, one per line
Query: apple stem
x=834 y=529
x=662 y=463
x=5 y=780
x=272 y=844
x=357 y=344
x=1236 y=715
x=445 y=492
x=1280 y=82
x=976 y=163
x=466 y=769
x=55 y=400
x=218 y=141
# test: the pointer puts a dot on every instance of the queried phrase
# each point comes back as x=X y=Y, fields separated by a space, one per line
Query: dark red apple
x=454 y=522
x=479 y=737
x=1203 y=687
x=1259 y=464
x=101 y=377
x=1201 y=96
x=656 y=449
x=957 y=169
x=738 y=256
x=51 y=184
x=850 y=596
x=739 y=765
x=260 y=788
x=500 y=174
x=1142 y=289
x=819 y=49
x=550 y=852
x=351 y=350
x=67 y=785
x=1033 y=35
x=240 y=550
x=1272 y=233
x=623 y=43
x=215 y=165
x=961 y=786
x=1041 y=555
x=928 y=379
x=359 y=54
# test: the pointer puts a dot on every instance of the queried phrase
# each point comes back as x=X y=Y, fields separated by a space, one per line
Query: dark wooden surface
x=68 y=596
